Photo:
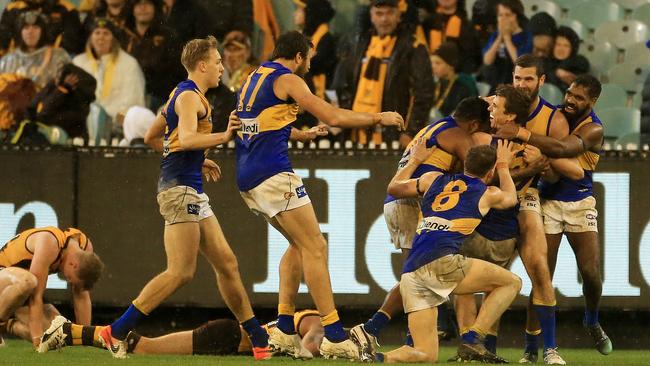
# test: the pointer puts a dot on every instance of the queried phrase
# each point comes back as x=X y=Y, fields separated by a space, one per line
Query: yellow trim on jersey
x=204 y=125
x=589 y=159
x=464 y=226
x=439 y=157
x=539 y=124
x=277 y=117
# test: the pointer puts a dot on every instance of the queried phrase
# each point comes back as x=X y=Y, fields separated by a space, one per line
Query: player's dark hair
x=473 y=109
x=528 y=60
x=291 y=44
x=480 y=160
x=591 y=83
x=517 y=102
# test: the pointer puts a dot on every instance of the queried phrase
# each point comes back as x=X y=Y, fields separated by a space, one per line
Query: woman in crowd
x=120 y=82
x=566 y=64
x=510 y=41
x=34 y=58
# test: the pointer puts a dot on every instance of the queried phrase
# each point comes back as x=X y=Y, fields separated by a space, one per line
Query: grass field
x=19 y=353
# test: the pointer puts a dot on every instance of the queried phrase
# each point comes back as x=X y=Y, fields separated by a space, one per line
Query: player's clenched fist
x=391 y=119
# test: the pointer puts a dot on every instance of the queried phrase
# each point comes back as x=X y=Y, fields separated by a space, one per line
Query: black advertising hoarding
x=116 y=206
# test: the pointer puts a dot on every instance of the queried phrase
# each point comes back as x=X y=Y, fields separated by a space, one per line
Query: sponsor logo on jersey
x=434 y=224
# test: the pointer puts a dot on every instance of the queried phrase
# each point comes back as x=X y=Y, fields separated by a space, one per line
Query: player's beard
x=302 y=69
x=532 y=94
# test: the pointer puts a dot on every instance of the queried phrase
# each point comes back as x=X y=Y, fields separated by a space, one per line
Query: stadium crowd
x=101 y=69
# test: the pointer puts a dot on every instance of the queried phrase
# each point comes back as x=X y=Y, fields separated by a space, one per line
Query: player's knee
x=316 y=248
x=50 y=311
x=181 y=278
x=516 y=283
x=228 y=266
x=591 y=275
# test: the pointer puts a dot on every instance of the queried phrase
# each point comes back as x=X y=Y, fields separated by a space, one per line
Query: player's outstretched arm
x=188 y=107
x=308 y=135
x=155 y=133
x=569 y=147
x=296 y=88
x=402 y=186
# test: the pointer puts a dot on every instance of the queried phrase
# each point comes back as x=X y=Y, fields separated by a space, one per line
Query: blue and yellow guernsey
x=500 y=225
x=182 y=167
x=567 y=190
x=262 y=141
x=450 y=213
x=439 y=160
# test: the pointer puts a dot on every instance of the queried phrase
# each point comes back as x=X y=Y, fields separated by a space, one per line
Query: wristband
x=501 y=165
x=523 y=134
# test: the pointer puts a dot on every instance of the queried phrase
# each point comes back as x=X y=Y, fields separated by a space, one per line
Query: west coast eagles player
x=267 y=104
x=190 y=224
x=568 y=205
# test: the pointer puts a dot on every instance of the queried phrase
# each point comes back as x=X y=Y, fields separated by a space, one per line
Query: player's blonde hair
x=197 y=50
x=90 y=269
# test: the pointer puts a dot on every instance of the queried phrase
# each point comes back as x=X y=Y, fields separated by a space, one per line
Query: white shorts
x=183 y=204
x=500 y=252
x=402 y=217
x=529 y=201
x=570 y=217
x=431 y=284
x=282 y=192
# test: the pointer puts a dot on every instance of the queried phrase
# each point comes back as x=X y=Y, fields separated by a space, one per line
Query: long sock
x=473 y=336
x=409 y=339
x=259 y=337
x=79 y=335
x=285 y=318
x=591 y=317
x=443 y=319
x=122 y=326
x=546 y=315
x=491 y=343
x=375 y=324
x=333 y=328
x=531 y=337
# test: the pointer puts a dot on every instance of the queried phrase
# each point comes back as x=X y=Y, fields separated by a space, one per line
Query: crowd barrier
x=111 y=195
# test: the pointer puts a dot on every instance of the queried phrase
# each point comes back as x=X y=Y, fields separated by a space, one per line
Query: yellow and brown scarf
x=370 y=89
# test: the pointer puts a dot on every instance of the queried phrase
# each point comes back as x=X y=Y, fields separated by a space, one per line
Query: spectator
x=234 y=15
x=388 y=71
x=156 y=48
x=237 y=59
x=136 y=123
x=187 y=18
x=449 y=23
x=566 y=64
x=34 y=58
x=120 y=82
x=450 y=88
x=543 y=28
x=484 y=19
x=506 y=44
x=223 y=102
x=15 y=94
x=114 y=10
x=63 y=30
x=312 y=18
x=65 y=102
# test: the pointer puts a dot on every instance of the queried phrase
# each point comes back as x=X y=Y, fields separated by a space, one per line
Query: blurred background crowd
x=95 y=72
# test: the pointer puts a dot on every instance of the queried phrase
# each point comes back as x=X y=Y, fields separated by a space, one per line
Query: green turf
x=19 y=353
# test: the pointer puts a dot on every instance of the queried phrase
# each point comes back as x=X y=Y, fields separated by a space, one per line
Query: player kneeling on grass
x=25 y=263
x=452 y=206
x=218 y=337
